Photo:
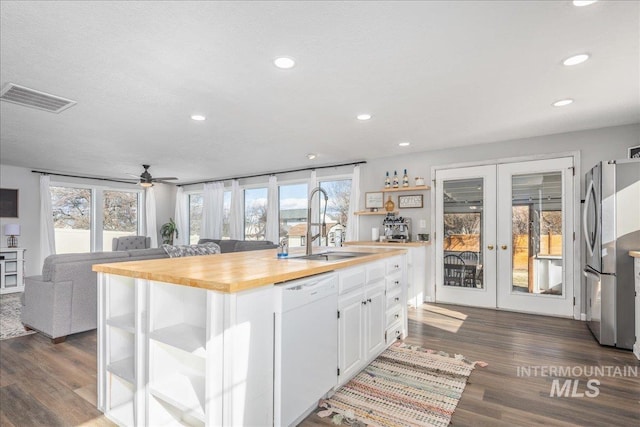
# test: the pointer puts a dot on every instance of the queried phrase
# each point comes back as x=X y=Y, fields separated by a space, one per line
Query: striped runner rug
x=404 y=386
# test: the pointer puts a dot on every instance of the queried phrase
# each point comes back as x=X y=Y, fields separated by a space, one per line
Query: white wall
x=29 y=208
x=593 y=145
x=28 y=185
x=165 y=205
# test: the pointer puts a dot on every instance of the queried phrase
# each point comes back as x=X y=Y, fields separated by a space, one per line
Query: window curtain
x=351 y=233
x=150 y=216
x=47 y=234
x=218 y=209
x=273 y=220
x=236 y=220
x=181 y=218
x=212 y=209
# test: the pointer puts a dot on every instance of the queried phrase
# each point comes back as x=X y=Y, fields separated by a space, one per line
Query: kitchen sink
x=331 y=256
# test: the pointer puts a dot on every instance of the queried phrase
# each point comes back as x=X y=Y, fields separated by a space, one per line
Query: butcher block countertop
x=237 y=271
x=386 y=244
x=635 y=254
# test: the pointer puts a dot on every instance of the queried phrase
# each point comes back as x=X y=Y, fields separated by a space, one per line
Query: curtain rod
x=84 y=177
x=274 y=173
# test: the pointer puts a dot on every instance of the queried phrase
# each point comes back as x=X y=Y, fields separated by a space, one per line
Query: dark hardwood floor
x=42 y=384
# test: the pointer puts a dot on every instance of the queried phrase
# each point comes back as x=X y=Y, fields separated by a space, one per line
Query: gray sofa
x=240 y=245
x=63 y=300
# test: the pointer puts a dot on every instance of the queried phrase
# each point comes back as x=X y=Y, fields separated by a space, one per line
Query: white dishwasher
x=306 y=346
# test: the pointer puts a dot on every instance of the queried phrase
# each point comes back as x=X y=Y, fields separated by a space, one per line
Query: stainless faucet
x=323 y=225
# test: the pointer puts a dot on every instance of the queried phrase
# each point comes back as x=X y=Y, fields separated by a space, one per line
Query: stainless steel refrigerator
x=611 y=221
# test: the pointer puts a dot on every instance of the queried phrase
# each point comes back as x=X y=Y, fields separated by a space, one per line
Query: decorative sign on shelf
x=373 y=200
x=634 y=152
x=411 y=201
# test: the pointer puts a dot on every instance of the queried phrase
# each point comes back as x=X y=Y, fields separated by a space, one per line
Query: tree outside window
x=71 y=219
x=255 y=213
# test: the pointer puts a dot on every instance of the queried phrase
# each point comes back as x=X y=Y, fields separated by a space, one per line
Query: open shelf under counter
x=124 y=369
x=184 y=336
x=126 y=322
x=394 y=190
x=185 y=392
x=122 y=414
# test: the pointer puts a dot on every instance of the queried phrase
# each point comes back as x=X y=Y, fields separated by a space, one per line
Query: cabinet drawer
x=394 y=265
x=9 y=255
x=394 y=297
x=350 y=279
x=394 y=314
x=394 y=281
x=375 y=271
x=393 y=332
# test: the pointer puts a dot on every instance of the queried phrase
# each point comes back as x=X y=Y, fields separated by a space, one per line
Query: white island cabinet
x=192 y=341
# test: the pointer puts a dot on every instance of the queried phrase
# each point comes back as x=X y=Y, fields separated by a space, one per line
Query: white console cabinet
x=11 y=270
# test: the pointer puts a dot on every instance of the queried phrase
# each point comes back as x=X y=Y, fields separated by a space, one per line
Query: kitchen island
x=191 y=341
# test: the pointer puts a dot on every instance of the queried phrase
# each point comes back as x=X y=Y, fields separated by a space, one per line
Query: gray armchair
x=126 y=243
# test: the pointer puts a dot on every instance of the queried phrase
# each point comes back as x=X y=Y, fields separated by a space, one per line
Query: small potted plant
x=167 y=231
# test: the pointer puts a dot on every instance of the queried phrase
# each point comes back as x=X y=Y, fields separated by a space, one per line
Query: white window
x=87 y=218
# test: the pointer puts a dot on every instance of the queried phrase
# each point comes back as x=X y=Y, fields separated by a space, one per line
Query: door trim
x=579 y=309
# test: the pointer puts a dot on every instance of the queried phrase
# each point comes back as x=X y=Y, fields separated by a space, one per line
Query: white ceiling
x=438 y=74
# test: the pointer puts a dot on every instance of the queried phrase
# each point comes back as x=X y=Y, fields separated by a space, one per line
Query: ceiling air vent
x=34 y=98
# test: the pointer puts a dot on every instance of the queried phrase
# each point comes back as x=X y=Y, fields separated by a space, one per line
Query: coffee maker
x=396 y=228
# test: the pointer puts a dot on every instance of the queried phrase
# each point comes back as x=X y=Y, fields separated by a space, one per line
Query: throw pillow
x=191 y=250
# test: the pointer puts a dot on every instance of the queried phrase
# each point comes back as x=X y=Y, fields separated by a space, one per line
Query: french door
x=504 y=236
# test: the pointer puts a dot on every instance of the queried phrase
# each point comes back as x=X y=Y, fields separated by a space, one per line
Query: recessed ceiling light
x=563 y=102
x=364 y=117
x=284 y=62
x=198 y=117
x=581 y=3
x=576 y=59
x=404 y=144
x=311 y=156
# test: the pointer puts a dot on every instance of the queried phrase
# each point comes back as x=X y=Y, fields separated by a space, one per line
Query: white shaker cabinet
x=364 y=308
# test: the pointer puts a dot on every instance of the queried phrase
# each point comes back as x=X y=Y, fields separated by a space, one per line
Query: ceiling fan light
x=146 y=184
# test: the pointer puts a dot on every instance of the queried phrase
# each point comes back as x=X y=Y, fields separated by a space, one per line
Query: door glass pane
x=120 y=216
x=537 y=233
x=293 y=213
x=462 y=209
x=71 y=219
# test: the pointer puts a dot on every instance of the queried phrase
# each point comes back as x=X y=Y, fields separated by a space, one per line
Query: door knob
x=490 y=247
x=504 y=247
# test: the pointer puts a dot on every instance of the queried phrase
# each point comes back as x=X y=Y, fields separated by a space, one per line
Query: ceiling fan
x=146 y=180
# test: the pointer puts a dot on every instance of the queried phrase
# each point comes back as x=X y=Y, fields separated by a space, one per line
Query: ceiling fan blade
x=163 y=182
x=164 y=178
